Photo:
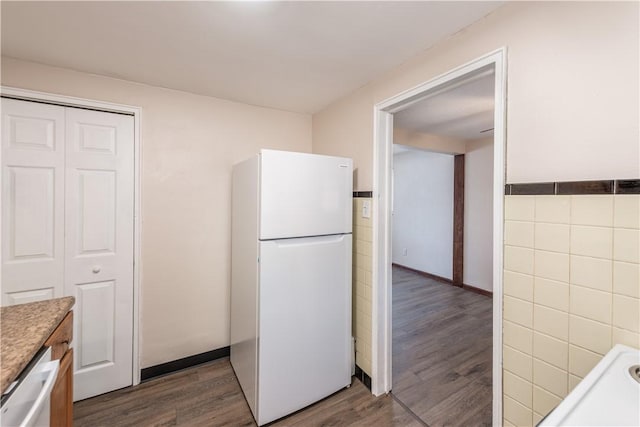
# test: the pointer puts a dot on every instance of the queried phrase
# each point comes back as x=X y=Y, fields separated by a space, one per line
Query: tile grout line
x=570 y=279
x=533 y=316
x=613 y=245
x=406 y=408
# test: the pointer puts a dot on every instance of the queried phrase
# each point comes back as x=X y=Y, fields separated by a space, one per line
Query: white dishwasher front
x=26 y=404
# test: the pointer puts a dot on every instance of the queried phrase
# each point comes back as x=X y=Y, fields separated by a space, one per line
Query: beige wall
x=478 y=214
x=189 y=144
x=573 y=91
x=429 y=142
x=571 y=292
x=422 y=221
x=572 y=114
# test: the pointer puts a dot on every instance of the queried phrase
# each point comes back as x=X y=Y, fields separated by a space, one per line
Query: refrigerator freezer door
x=304 y=195
x=305 y=322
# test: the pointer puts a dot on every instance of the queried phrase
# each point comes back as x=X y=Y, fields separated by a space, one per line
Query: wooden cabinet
x=61 y=338
x=62 y=392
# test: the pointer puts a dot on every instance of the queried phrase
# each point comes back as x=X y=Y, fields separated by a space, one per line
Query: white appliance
x=26 y=403
x=291 y=280
x=608 y=396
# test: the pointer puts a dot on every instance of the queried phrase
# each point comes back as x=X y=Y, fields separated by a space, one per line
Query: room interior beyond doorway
x=438 y=241
x=443 y=170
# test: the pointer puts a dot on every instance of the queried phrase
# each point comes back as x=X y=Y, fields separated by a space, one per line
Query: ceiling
x=398 y=148
x=461 y=112
x=294 y=56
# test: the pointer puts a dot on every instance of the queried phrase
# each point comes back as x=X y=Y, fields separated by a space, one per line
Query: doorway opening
x=384 y=112
x=442 y=254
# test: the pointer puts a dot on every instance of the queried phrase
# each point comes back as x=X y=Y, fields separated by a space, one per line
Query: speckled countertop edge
x=23 y=330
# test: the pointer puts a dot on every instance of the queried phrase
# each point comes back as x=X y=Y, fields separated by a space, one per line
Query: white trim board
x=68 y=101
x=382 y=192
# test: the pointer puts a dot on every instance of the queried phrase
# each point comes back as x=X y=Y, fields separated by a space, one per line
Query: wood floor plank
x=442 y=351
x=441 y=370
x=99 y=410
x=209 y=395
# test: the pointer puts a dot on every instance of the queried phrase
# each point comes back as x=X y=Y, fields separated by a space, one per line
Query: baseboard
x=180 y=364
x=363 y=377
x=445 y=280
x=480 y=291
x=425 y=274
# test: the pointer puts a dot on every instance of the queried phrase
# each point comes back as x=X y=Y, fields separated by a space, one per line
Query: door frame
x=382 y=228
x=136 y=112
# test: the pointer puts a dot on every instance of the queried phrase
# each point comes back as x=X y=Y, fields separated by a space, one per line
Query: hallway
x=442 y=350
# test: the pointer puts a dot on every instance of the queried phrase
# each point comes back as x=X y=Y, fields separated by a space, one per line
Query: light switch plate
x=366 y=209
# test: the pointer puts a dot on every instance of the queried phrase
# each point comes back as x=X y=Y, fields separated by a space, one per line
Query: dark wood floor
x=441 y=371
x=209 y=395
x=442 y=342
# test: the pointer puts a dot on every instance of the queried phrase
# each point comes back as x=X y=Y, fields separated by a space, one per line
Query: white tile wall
x=552 y=265
x=552 y=237
x=626 y=279
x=572 y=269
x=571 y=292
x=551 y=293
x=592 y=241
x=594 y=210
x=554 y=209
x=518 y=285
x=362 y=302
x=593 y=273
x=581 y=360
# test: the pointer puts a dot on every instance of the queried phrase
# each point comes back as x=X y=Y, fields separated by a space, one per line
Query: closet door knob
x=96 y=269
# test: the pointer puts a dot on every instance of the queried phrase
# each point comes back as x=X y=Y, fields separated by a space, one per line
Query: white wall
x=478 y=214
x=423 y=211
x=573 y=91
x=429 y=142
x=189 y=144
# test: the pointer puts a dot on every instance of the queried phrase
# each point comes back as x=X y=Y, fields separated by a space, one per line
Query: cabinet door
x=61 y=338
x=33 y=150
x=62 y=393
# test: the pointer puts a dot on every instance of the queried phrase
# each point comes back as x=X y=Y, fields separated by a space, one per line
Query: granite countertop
x=24 y=329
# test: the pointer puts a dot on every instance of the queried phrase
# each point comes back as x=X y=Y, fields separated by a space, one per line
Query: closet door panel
x=67 y=228
x=99 y=247
x=33 y=156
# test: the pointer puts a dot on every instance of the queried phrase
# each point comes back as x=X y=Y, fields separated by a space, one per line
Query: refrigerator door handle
x=304 y=241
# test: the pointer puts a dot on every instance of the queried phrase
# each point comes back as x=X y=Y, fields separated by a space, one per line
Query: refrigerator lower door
x=304 y=322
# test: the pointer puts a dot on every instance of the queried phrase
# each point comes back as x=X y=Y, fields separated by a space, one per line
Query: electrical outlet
x=366 y=209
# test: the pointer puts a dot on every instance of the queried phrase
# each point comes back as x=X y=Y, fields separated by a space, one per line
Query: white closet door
x=33 y=150
x=99 y=247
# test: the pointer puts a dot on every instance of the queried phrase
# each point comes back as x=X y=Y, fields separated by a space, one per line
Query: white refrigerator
x=291 y=279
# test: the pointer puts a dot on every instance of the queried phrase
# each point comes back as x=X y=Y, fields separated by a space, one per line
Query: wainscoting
x=571 y=286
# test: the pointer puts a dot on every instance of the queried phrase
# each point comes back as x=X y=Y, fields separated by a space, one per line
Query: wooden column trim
x=458 y=219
